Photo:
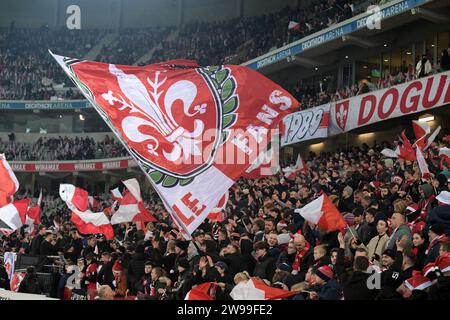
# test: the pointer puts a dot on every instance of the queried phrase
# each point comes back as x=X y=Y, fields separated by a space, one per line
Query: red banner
x=51 y=166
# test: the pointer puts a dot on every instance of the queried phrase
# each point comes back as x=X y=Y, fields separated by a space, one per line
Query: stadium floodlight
x=317 y=146
x=426 y=118
x=364 y=136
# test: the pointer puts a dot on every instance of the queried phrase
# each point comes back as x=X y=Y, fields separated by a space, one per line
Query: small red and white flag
x=218 y=213
x=293 y=26
x=323 y=213
x=116 y=194
x=432 y=137
x=17 y=278
x=86 y=221
x=131 y=207
x=34 y=215
x=391 y=153
x=406 y=150
x=203 y=291
x=300 y=166
x=8 y=182
x=255 y=289
x=444 y=153
x=13 y=215
x=421 y=130
x=423 y=166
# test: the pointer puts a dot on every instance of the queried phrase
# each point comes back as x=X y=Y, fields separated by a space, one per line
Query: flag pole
x=350 y=229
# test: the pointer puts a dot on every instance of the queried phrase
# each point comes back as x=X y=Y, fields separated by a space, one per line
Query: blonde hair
x=300 y=286
x=103 y=289
x=241 y=276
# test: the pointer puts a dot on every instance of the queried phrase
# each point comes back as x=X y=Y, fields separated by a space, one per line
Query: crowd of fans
x=62 y=148
x=241 y=39
x=27 y=71
x=132 y=44
x=398 y=224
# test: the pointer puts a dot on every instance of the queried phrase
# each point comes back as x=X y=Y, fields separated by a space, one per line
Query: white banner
x=411 y=97
x=9 y=260
x=306 y=125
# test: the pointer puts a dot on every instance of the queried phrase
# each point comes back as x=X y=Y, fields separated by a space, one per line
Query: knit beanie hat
x=325 y=273
x=183 y=245
x=437 y=228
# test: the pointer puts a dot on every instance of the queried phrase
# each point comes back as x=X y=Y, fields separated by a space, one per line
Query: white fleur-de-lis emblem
x=159 y=116
x=341 y=116
x=109 y=97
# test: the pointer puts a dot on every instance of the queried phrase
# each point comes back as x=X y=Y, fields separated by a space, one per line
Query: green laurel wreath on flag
x=226 y=86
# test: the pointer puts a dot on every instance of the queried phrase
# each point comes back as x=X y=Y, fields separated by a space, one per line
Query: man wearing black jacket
x=347 y=204
x=48 y=247
x=392 y=277
x=235 y=261
x=136 y=268
x=37 y=240
x=355 y=284
x=76 y=243
x=105 y=274
x=265 y=265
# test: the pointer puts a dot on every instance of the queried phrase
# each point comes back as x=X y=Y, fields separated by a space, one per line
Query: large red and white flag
x=8 y=182
x=323 y=213
x=300 y=166
x=193 y=130
x=131 y=206
x=255 y=289
x=13 y=215
x=86 y=221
